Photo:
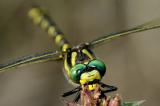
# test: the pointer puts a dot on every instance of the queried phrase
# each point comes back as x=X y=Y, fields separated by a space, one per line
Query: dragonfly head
x=88 y=74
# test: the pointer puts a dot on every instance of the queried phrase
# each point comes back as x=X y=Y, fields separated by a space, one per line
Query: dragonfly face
x=89 y=74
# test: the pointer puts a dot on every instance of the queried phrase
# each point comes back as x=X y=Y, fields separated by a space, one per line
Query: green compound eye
x=76 y=72
x=99 y=65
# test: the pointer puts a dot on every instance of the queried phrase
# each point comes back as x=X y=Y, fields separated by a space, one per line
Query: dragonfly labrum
x=80 y=63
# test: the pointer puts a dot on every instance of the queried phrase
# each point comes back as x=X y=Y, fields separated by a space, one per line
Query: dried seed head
x=96 y=98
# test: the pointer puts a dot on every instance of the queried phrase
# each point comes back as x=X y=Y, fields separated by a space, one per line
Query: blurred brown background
x=133 y=61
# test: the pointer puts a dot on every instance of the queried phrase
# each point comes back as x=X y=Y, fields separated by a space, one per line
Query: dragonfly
x=81 y=67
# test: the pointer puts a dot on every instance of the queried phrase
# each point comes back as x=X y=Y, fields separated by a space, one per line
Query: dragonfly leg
x=108 y=89
x=77 y=97
x=77 y=89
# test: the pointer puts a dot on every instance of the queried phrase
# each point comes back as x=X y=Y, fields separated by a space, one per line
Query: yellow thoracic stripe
x=66 y=67
x=73 y=58
x=87 y=53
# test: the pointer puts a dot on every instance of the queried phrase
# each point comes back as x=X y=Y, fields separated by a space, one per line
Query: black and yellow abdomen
x=42 y=19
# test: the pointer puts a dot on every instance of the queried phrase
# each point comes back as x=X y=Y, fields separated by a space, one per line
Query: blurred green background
x=133 y=61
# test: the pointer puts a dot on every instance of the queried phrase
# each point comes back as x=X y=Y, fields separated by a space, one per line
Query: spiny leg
x=109 y=88
x=77 y=89
x=77 y=97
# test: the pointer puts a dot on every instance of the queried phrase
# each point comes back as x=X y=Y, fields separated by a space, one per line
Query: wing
x=107 y=37
x=37 y=58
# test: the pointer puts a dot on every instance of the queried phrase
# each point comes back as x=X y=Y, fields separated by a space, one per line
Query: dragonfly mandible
x=80 y=63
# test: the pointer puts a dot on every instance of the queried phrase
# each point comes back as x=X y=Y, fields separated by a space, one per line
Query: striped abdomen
x=40 y=18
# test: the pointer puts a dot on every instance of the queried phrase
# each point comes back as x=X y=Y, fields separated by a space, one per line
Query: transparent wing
x=37 y=58
x=107 y=37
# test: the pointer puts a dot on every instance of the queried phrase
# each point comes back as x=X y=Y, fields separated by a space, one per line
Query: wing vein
x=37 y=58
x=107 y=37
